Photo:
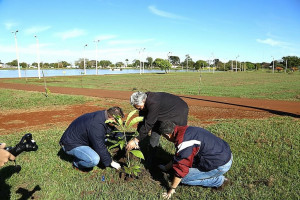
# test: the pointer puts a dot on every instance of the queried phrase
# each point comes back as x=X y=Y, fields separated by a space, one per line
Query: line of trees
x=288 y=62
x=61 y=64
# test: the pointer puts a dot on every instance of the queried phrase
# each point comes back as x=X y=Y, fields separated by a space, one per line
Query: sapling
x=47 y=90
x=82 y=73
x=125 y=128
x=200 y=81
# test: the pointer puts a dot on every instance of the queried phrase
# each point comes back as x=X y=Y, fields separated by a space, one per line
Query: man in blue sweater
x=201 y=158
x=84 y=139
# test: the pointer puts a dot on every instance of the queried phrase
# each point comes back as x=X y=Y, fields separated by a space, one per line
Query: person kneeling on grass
x=85 y=138
x=201 y=158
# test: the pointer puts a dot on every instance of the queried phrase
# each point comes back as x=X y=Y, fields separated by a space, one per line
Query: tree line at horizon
x=165 y=64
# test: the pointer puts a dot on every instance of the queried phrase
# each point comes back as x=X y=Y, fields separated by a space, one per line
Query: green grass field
x=261 y=85
x=17 y=99
x=266 y=166
x=266 y=151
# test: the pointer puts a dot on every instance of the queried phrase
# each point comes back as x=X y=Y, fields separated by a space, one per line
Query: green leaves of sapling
x=125 y=128
x=129 y=116
x=137 y=153
x=135 y=120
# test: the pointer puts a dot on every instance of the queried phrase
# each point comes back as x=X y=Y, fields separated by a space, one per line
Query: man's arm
x=150 y=119
x=171 y=191
x=144 y=127
x=183 y=160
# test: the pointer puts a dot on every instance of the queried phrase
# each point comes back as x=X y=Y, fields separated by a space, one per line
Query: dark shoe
x=226 y=182
x=84 y=170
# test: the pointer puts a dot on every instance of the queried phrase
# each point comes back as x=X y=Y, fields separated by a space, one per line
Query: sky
x=116 y=30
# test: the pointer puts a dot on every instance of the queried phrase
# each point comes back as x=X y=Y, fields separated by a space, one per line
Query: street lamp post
x=140 y=61
x=140 y=57
x=84 y=59
x=242 y=66
x=273 y=64
x=169 y=57
x=143 y=63
x=17 y=52
x=214 y=62
x=187 y=58
x=236 y=63
x=38 y=56
x=97 y=55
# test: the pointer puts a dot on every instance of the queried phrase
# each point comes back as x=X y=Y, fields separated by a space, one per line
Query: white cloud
x=268 y=41
x=9 y=25
x=130 y=42
x=36 y=29
x=71 y=34
x=161 y=13
x=272 y=42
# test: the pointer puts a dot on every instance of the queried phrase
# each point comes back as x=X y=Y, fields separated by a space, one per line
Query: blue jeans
x=213 y=178
x=85 y=157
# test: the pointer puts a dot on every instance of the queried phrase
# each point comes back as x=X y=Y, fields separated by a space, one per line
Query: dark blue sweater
x=89 y=130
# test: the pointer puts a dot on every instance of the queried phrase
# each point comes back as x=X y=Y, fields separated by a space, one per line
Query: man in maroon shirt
x=201 y=158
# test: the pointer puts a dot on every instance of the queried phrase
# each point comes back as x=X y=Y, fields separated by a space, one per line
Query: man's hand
x=167 y=195
x=5 y=155
x=174 y=185
x=115 y=165
x=132 y=144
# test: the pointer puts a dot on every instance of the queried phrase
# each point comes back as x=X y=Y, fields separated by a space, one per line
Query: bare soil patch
x=205 y=109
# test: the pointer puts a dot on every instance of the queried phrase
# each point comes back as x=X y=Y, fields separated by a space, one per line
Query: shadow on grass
x=276 y=112
x=26 y=194
x=6 y=173
x=64 y=156
x=161 y=157
x=5 y=193
x=153 y=159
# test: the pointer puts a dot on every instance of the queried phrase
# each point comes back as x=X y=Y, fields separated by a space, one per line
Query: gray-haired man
x=156 y=107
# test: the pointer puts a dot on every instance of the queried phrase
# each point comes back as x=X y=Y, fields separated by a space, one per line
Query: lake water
x=72 y=72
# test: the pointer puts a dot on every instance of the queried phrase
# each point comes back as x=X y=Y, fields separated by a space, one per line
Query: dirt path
x=201 y=107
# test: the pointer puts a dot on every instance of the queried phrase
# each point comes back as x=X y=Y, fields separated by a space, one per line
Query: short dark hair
x=115 y=111
x=166 y=127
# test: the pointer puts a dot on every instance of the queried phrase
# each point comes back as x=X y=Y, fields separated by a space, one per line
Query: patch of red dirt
x=33 y=120
x=203 y=108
